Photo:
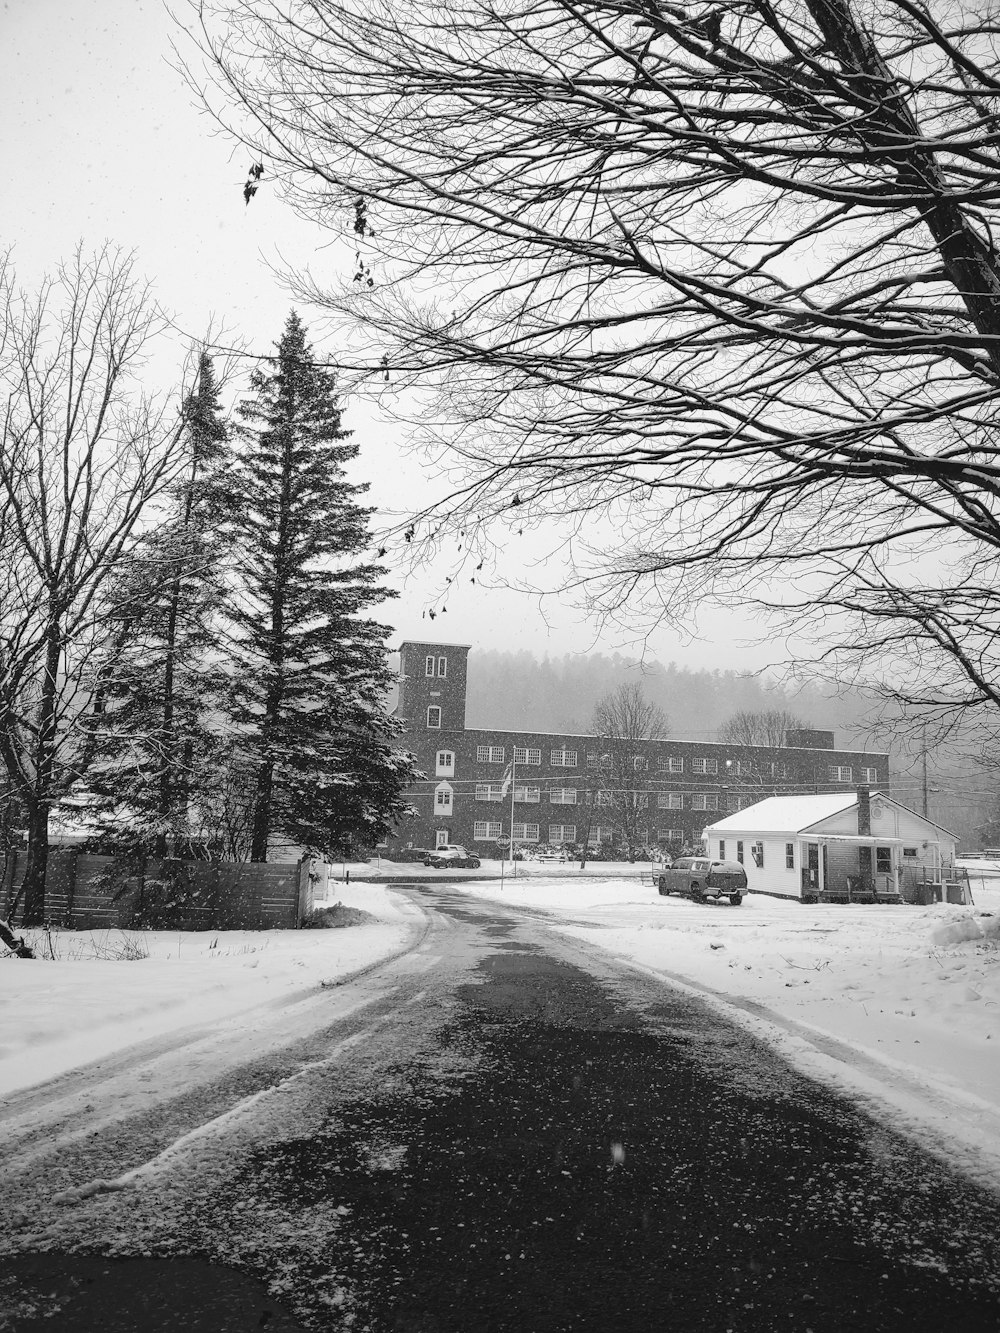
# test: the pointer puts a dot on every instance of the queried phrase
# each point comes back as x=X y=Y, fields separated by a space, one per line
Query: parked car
x=407 y=853
x=452 y=856
x=702 y=879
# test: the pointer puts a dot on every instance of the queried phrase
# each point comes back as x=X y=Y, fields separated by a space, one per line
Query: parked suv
x=701 y=878
x=453 y=856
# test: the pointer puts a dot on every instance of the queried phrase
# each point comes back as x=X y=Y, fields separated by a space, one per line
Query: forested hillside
x=516 y=690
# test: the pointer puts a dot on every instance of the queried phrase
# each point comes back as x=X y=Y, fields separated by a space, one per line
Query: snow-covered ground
x=108 y=989
x=898 y=1006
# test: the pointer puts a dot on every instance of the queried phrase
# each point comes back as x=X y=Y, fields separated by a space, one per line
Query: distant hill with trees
x=516 y=690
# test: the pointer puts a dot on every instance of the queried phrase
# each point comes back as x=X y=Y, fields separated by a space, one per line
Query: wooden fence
x=84 y=892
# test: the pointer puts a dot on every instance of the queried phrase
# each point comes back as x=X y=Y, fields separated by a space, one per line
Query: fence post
x=303 y=902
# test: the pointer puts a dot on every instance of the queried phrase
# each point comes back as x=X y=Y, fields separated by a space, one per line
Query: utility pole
x=923 y=757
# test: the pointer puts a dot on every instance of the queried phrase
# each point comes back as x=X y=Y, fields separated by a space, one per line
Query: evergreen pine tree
x=311 y=671
x=156 y=727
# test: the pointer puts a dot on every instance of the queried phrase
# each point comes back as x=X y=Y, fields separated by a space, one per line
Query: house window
x=527 y=795
x=434 y=717
x=869 y=775
x=909 y=851
x=670 y=800
x=444 y=765
x=640 y=763
x=429 y=666
x=563 y=796
x=883 y=860
x=489 y=791
x=757 y=852
x=489 y=754
x=722 y=849
x=525 y=832
x=486 y=830
x=524 y=755
x=789 y=855
x=739 y=852
x=563 y=759
x=705 y=802
x=442 y=799
x=840 y=773
x=560 y=833
x=442 y=667
x=704 y=765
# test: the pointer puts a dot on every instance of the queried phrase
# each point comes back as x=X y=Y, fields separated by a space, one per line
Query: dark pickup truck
x=701 y=878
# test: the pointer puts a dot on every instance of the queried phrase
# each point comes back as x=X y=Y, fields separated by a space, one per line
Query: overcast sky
x=100 y=141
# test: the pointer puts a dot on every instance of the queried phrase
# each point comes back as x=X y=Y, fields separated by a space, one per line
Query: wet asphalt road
x=545 y=1147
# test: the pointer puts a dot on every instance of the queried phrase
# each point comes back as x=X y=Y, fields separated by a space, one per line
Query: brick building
x=563 y=791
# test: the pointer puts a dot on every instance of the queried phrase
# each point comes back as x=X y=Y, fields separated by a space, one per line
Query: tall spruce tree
x=156 y=720
x=311 y=673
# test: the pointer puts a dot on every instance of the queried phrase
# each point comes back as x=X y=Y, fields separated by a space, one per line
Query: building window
x=563 y=758
x=869 y=775
x=705 y=802
x=739 y=852
x=839 y=773
x=444 y=765
x=442 y=667
x=434 y=717
x=429 y=666
x=670 y=835
x=734 y=803
x=605 y=798
x=563 y=796
x=597 y=835
x=442 y=799
x=779 y=771
x=489 y=791
x=526 y=832
x=883 y=860
x=740 y=768
x=560 y=833
x=670 y=800
x=757 y=852
x=909 y=851
x=640 y=800
x=524 y=755
x=704 y=765
x=593 y=759
x=489 y=754
x=722 y=849
x=789 y=855
x=668 y=765
x=640 y=763
x=486 y=830
x=527 y=795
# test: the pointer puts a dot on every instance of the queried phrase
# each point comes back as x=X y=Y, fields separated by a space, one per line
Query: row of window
x=495 y=754
x=490 y=830
x=883 y=855
x=493 y=791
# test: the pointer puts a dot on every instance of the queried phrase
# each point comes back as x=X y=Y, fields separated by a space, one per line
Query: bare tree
x=767 y=727
x=623 y=721
x=717 y=288
x=83 y=456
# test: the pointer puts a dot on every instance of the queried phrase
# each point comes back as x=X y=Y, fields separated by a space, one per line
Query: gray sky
x=99 y=140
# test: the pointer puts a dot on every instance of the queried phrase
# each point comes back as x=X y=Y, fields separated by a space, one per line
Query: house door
x=441 y=837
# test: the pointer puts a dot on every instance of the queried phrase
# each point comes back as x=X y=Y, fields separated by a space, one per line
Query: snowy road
x=503 y=1128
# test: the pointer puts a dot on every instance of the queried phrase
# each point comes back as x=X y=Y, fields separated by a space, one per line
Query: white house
x=835 y=845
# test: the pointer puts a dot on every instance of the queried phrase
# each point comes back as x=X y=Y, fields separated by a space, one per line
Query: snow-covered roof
x=798 y=814
x=788 y=814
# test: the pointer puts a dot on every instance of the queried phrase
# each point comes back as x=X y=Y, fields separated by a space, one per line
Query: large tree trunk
x=262 y=812
x=36 y=864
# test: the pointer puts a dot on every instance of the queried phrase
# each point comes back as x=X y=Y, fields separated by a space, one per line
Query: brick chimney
x=864 y=812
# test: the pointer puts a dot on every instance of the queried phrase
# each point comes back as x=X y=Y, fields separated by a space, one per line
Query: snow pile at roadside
x=107 y=989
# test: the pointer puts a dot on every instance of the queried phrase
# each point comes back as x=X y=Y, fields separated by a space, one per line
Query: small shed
x=846 y=846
